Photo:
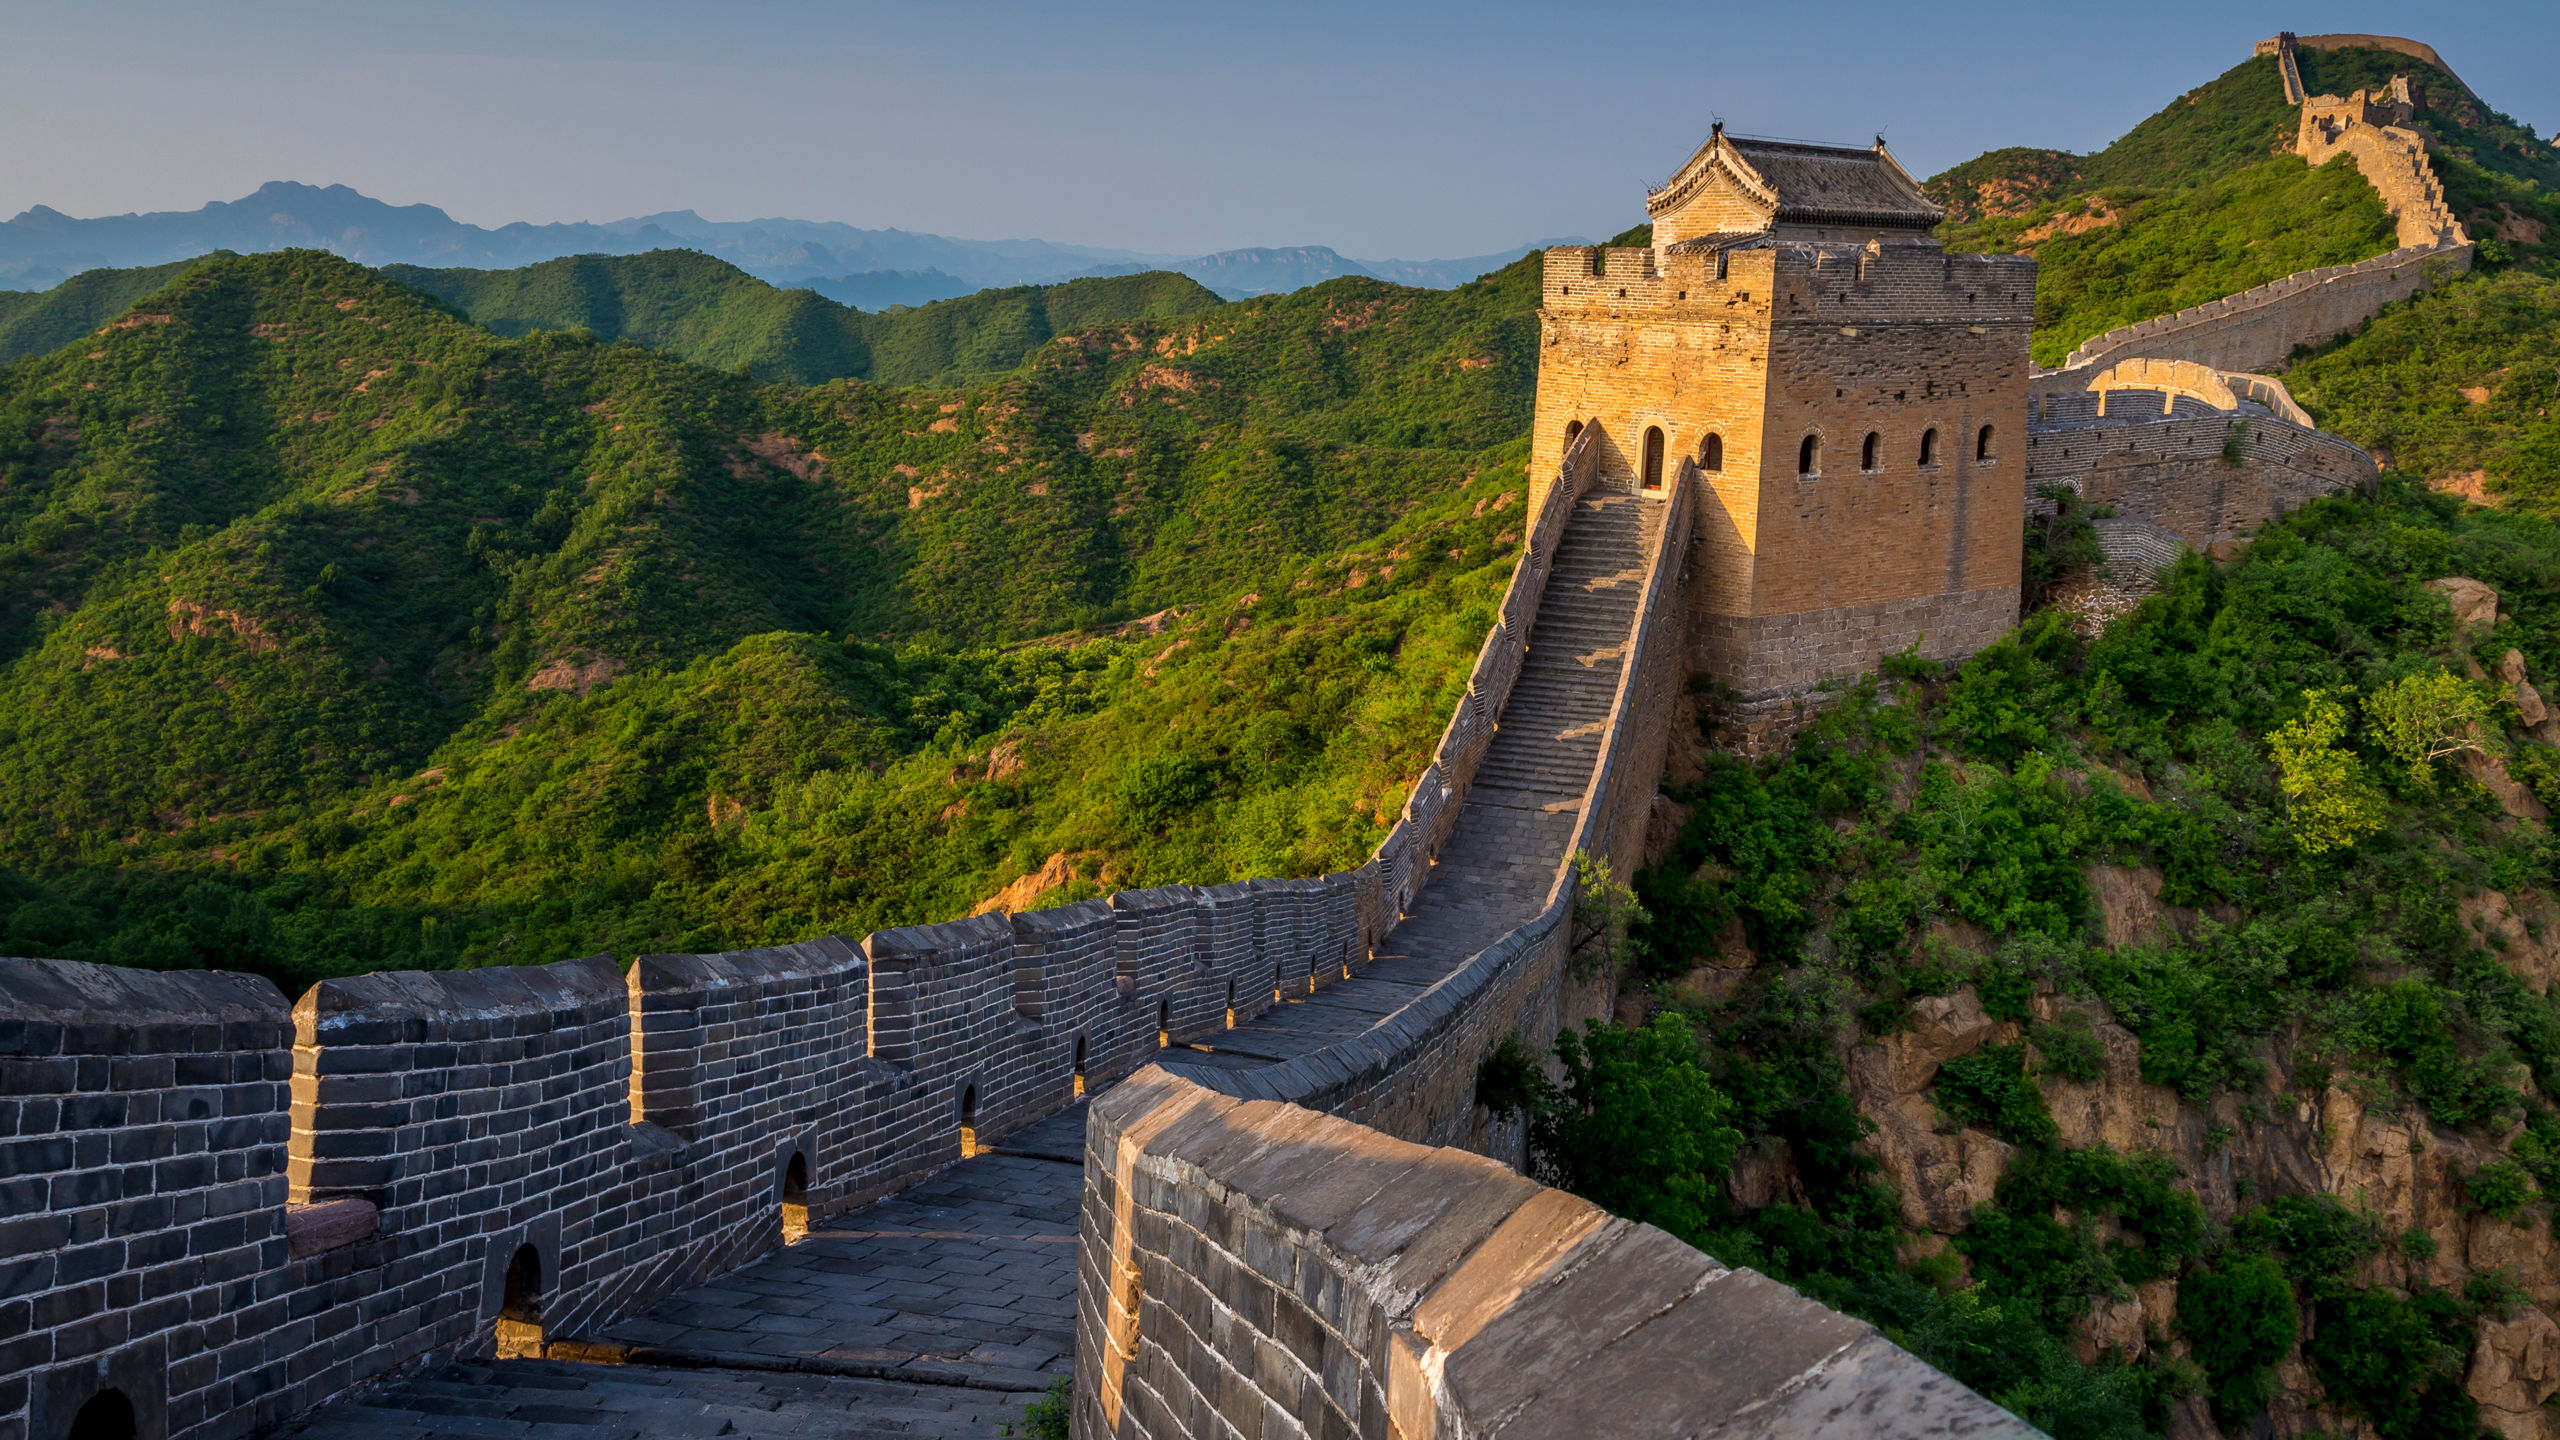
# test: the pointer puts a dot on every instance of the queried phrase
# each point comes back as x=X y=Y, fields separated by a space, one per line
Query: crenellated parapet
x=240 y=1207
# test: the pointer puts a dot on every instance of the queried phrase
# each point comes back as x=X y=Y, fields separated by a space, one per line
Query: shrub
x=1636 y=1126
x=2326 y=794
x=1509 y=1080
x=1992 y=1088
x=1048 y=1417
x=2395 y=1361
x=2501 y=1188
x=2069 y=1047
x=2428 y=717
x=2239 y=1321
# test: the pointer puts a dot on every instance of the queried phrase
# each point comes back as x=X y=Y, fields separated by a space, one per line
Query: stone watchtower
x=1854 y=400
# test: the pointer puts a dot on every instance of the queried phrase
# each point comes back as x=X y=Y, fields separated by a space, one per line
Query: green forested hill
x=698 y=308
x=338 y=632
x=338 y=629
x=2196 y=203
x=32 y=321
x=711 y=312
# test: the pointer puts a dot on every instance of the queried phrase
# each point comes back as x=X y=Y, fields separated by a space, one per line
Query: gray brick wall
x=1260 y=1269
x=233 y=1208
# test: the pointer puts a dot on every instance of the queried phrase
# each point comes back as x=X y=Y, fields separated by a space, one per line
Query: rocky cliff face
x=2294 y=1134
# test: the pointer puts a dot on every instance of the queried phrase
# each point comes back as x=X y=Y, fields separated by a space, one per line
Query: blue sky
x=1383 y=130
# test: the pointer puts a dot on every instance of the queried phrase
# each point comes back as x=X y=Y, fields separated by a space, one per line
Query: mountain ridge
x=42 y=246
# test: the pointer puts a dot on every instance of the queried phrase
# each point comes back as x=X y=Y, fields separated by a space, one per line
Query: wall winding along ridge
x=2258 y=328
x=1249 y=1264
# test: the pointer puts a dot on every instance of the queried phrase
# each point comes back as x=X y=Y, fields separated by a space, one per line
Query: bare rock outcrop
x=2129 y=905
x=2117 y=1109
x=2475 y=604
x=2515 y=1366
x=1940 y=1174
x=2525 y=932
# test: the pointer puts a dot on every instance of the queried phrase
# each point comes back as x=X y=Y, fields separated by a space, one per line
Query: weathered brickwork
x=230 y=1209
x=1254 y=1268
x=429 y=1167
x=2204 y=474
x=1740 y=350
x=143 y=1120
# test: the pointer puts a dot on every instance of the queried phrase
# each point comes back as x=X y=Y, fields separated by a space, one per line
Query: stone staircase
x=1494 y=871
x=1549 y=735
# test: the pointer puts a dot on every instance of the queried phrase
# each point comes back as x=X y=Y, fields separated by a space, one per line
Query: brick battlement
x=230 y=1208
x=1794 y=282
x=1856 y=409
x=242 y=1207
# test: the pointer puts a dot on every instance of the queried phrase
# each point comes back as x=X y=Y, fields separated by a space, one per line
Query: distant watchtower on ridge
x=1852 y=397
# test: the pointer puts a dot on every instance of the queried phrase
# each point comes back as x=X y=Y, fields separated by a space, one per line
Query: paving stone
x=555 y=1400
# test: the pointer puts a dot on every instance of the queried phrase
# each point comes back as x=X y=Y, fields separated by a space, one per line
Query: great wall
x=2258 y=329
x=747 y=1187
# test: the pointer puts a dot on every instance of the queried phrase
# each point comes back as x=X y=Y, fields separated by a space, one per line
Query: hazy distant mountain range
x=869 y=269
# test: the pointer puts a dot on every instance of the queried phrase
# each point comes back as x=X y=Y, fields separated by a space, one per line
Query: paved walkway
x=558 y=1400
x=942 y=1311
x=1494 y=870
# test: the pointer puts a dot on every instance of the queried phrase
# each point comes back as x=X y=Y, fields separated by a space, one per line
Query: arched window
x=1164 y=1024
x=1079 y=1083
x=968 y=1122
x=1929 y=446
x=1572 y=432
x=1809 y=455
x=107 y=1416
x=1867 y=451
x=520 y=1311
x=1711 y=454
x=1231 y=1004
x=795 y=1196
x=1653 y=457
x=1982 y=445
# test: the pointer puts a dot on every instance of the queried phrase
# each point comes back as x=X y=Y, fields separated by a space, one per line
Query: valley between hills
x=360 y=619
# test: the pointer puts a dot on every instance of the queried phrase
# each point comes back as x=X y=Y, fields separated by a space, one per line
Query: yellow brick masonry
x=1800 y=578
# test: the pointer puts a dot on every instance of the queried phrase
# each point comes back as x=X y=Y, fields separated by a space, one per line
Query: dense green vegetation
x=2225 y=125
x=711 y=312
x=339 y=632
x=1969 y=804
x=2191 y=205
x=2155 y=254
x=343 y=633
x=2459 y=382
x=34 y=321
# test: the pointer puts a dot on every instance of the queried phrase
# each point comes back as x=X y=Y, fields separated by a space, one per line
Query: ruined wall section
x=2203 y=475
x=2393 y=160
x=1256 y=1268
